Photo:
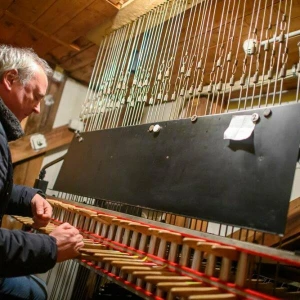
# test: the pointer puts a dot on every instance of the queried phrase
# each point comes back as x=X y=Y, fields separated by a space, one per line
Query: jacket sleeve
x=20 y=200
x=23 y=253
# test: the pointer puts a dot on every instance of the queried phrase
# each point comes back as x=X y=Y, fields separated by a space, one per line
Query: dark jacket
x=21 y=253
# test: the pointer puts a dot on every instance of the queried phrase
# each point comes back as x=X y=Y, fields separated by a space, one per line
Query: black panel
x=189 y=169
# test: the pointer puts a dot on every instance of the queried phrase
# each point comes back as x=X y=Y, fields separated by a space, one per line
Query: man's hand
x=68 y=241
x=41 y=210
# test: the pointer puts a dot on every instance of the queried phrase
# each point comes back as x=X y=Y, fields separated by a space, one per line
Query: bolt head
x=151 y=128
x=267 y=112
x=194 y=118
x=255 y=117
x=156 y=128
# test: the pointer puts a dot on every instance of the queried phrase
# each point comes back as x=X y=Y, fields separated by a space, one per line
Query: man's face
x=25 y=100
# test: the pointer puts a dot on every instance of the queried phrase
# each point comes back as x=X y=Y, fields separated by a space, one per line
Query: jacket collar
x=10 y=123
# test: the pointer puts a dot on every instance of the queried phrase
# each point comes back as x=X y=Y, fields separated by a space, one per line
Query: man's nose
x=37 y=108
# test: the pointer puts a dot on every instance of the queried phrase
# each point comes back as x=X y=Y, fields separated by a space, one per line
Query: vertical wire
x=131 y=100
x=176 y=8
x=170 y=57
x=196 y=42
x=199 y=68
x=56 y=281
x=166 y=45
x=266 y=50
x=111 y=69
x=279 y=51
x=132 y=56
x=140 y=69
x=254 y=37
x=228 y=53
x=92 y=98
x=286 y=49
x=123 y=57
x=234 y=67
x=164 y=58
x=92 y=81
x=149 y=39
x=181 y=67
x=102 y=83
x=191 y=60
x=123 y=88
x=219 y=65
x=298 y=71
x=202 y=67
x=277 y=268
x=98 y=89
x=188 y=35
x=272 y=59
x=67 y=279
x=152 y=57
x=167 y=61
x=143 y=46
x=113 y=97
x=259 y=46
x=181 y=76
x=133 y=51
x=208 y=44
x=159 y=60
x=107 y=76
x=244 y=80
x=128 y=66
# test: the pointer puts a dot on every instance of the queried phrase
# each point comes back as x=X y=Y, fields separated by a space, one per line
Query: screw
x=267 y=112
x=151 y=128
x=194 y=118
x=156 y=128
x=255 y=117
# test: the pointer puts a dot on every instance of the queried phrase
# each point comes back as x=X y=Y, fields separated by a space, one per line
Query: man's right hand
x=68 y=241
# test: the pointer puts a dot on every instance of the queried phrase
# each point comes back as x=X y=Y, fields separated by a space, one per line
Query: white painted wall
x=71 y=102
x=69 y=108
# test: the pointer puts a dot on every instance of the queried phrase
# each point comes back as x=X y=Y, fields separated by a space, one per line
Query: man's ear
x=9 y=78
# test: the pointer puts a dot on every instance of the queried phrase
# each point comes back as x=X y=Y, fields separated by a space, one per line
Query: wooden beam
x=28 y=10
x=95 y=14
x=8 y=27
x=4 y=4
x=50 y=36
x=26 y=173
x=127 y=14
x=60 y=13
x=21 y=149
x=25 y=37
x=62 y=54
x=84 y=74
x=81 y=59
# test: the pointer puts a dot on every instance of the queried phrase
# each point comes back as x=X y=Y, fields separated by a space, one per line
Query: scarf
x=10 y=123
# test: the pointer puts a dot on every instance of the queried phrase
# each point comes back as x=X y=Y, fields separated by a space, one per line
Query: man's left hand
x=41 y=210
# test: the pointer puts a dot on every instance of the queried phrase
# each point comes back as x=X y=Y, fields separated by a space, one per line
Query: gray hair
x=24 y=60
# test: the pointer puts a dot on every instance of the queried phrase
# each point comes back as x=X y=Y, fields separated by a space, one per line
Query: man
x=23 y=84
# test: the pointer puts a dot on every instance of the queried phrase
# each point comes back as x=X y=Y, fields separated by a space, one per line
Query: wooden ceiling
x=57 y=29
